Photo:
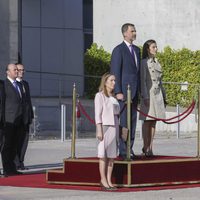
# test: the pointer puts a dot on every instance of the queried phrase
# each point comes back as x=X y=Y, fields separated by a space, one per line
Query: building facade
x=173 y=23
x=49 y=37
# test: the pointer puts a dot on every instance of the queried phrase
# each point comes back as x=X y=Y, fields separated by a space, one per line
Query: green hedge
x=178 y=66
x=97 y=62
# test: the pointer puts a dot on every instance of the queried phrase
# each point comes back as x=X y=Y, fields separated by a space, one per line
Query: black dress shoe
x=123 y=157
x=104 y=187
x=22 y=167
x=4 y=175
x=17 y=173
x=134 y=157
x=113 y=188
x=13 y=173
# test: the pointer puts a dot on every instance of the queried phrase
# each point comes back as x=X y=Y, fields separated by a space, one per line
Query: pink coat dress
x=107 y=113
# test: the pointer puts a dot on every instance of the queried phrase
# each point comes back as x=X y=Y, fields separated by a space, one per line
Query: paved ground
x=44 y=154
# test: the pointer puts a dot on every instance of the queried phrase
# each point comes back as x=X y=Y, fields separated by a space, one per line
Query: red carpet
x=157 y=173
x=39 y=181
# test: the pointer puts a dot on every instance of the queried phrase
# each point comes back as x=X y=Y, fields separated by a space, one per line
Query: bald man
x=14 y=126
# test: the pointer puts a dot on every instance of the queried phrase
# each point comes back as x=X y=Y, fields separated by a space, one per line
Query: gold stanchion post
x=198 y=134
x=73 y=122
x=129 y=122
x=128 y=156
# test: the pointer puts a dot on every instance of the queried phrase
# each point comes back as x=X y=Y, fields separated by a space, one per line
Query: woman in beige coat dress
x=152 y=101
x=107 y=129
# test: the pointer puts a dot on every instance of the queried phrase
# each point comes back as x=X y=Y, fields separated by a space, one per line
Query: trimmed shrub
x=178 y=66
x=97 y=62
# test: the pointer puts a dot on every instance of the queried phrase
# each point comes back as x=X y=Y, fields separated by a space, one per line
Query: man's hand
x=146 y=102
x=120 y=96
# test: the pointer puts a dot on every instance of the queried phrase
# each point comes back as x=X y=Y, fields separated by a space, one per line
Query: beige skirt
x=108 y=147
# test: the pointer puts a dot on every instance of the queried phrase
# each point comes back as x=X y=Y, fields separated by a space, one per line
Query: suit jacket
x=13 y=103
x=2 y=104
x=125 y=70
x=104 y=110
x=28 y=109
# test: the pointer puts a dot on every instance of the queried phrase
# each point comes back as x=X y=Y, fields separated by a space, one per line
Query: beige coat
x=150 y=82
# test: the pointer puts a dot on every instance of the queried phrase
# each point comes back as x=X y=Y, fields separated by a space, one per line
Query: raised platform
x=159 y=170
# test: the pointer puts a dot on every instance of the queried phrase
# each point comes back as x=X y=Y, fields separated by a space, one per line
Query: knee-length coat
x=151 y=88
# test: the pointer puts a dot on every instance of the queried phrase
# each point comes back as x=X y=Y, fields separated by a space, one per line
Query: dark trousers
x=1 y=140
x=123 y=123
x=22 y=147
x=12 y=136
x=1 y=143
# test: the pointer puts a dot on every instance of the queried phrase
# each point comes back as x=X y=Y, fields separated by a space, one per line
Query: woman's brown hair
x=145 y=52
x=102 y=87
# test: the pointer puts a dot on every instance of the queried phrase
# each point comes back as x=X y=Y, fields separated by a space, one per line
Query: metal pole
x=129 y=123
x=77 y=119
x=63 y=122
x=178 y=124
x=33 y=123
x=198 y=134
x=73 y=122
x=141 y=124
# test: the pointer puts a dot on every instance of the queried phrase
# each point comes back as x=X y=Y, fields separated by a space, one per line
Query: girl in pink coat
x=107 y=128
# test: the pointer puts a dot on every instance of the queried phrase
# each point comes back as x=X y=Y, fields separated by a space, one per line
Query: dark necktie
x=17 y=88
x=133 y=54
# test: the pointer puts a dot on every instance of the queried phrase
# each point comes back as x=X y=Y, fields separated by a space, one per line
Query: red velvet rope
x=188 y=111
x=80 y=106
x=85 y=113
x=181 y=118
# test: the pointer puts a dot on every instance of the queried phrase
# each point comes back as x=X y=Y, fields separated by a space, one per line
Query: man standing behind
x=27 y=118
x=125 y=63
x=13 y=120
x=2 y=113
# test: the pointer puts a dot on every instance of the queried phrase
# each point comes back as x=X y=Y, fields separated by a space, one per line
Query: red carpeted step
x=159 y=170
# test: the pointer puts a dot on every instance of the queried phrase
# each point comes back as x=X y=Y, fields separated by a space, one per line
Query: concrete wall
x=8 y=33
x=174 y=23
x=52 y=46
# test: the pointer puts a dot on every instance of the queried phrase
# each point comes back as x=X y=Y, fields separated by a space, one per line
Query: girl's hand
x=100 y=135
x=99 y=132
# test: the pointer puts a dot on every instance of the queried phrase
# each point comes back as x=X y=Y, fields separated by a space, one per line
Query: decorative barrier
x=173 y=170
x=77 y=106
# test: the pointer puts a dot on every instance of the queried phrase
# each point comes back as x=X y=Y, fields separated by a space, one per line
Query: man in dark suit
x=125 y=64
x=27 y=118
x=14 y=126
x=2 y=113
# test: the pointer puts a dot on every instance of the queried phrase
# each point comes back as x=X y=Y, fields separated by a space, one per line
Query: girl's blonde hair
x=102 y=87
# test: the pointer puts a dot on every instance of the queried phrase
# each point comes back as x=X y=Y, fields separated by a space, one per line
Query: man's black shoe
x=6 y=174
x=122 y=157
x=17 y=173
x=134 y=157
x=22 y=167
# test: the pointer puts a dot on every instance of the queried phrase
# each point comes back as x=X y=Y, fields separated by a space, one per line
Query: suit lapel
x=126 y=49
x=130 y=55
x=13 y=89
